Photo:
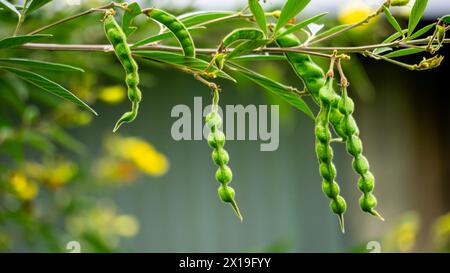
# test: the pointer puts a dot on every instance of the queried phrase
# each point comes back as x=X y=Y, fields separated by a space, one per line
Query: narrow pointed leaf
x=35 y=5
x=392 y=20
x=302 y=24
x=48 y=86
x=285 y=92
x=404 y=52
x=290 y=10
x=202 y=17
x=20 y=40
x=416 y=14
x=5 y=4
x=162 y=36
x=132 y=11
x=260 y=58
x=35 y=64
x=422 y=31
x=330 y=31
x=446 y=19
x=259 y=14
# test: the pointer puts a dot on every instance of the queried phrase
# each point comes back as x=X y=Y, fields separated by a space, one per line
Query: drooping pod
x=118 y=40
x=239 y=35
x=354 y=147
x=324 y=152
x=178 y=29
x=312 y=77
x=216 y=140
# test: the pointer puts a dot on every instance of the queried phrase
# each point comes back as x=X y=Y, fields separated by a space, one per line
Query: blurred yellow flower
x=53 y=173
x=404 y=235
x=441 y=232
x=141 y=153
x=115 y=170
x=105 y=222
x=24 y=189
x=69 y=115
x=112 y=94
x=354 y=11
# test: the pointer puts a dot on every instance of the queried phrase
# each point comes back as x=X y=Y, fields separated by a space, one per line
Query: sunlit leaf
x=246 y=47
x=285 y=92
x=446 y=19
x=290 y=9
x=48 y=86
x=416 y=14
x=404 y=52
x=302 y=24
x=259 y=14
x=392 y=20
x=422 y=31
x=20 y=40
x=35 y=64
x=202 y=17
x=330 y=31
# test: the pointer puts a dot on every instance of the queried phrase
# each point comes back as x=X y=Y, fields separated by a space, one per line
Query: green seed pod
x=178 y=29
x=220 y=157
x=241 y=34
x=360 y=164
x=118 y=40
x=366 y=183
x=216 y=139
x=213 y=119
x=338 y=205
x=226 y=193
x=324 y=152
x=331 y=190
x=224 y=174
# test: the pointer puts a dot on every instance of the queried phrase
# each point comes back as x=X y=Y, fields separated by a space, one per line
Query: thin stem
x=75 y=16
x=21 y=18
x=378 y=57
x=306 y=50
x=344 y=81
x=352 y=26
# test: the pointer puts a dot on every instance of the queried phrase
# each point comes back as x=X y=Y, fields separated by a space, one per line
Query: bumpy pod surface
x=242 y=34
x=354 y=147
x=118 y=40
x=178 y=29
x=216 y=140
x=312 y=76
x=324 y=152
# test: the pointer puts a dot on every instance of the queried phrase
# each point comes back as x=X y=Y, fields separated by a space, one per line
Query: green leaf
x=40 y=64
x=302 y=24
x=260 y=58
x=246 y=47
x=35 y=5
x=133 y=10
x=259 y=14
x=285 y=92
x=20 y=40
x=5 y=4
x=330 y=31
x=202 y=17
x=422 y=31
x=381 y=50
x=416 y=14
x=290 y=9
x=404 y=52
x=394 y=36
x=48 y=86
x=392 y=20
x=178 y=60
x=162 y=36
x=446 y=19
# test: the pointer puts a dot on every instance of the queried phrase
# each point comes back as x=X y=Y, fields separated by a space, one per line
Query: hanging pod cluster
x=335 y=110
x=216 y=140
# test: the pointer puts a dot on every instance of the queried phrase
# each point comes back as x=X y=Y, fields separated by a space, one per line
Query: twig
x=75 y=16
